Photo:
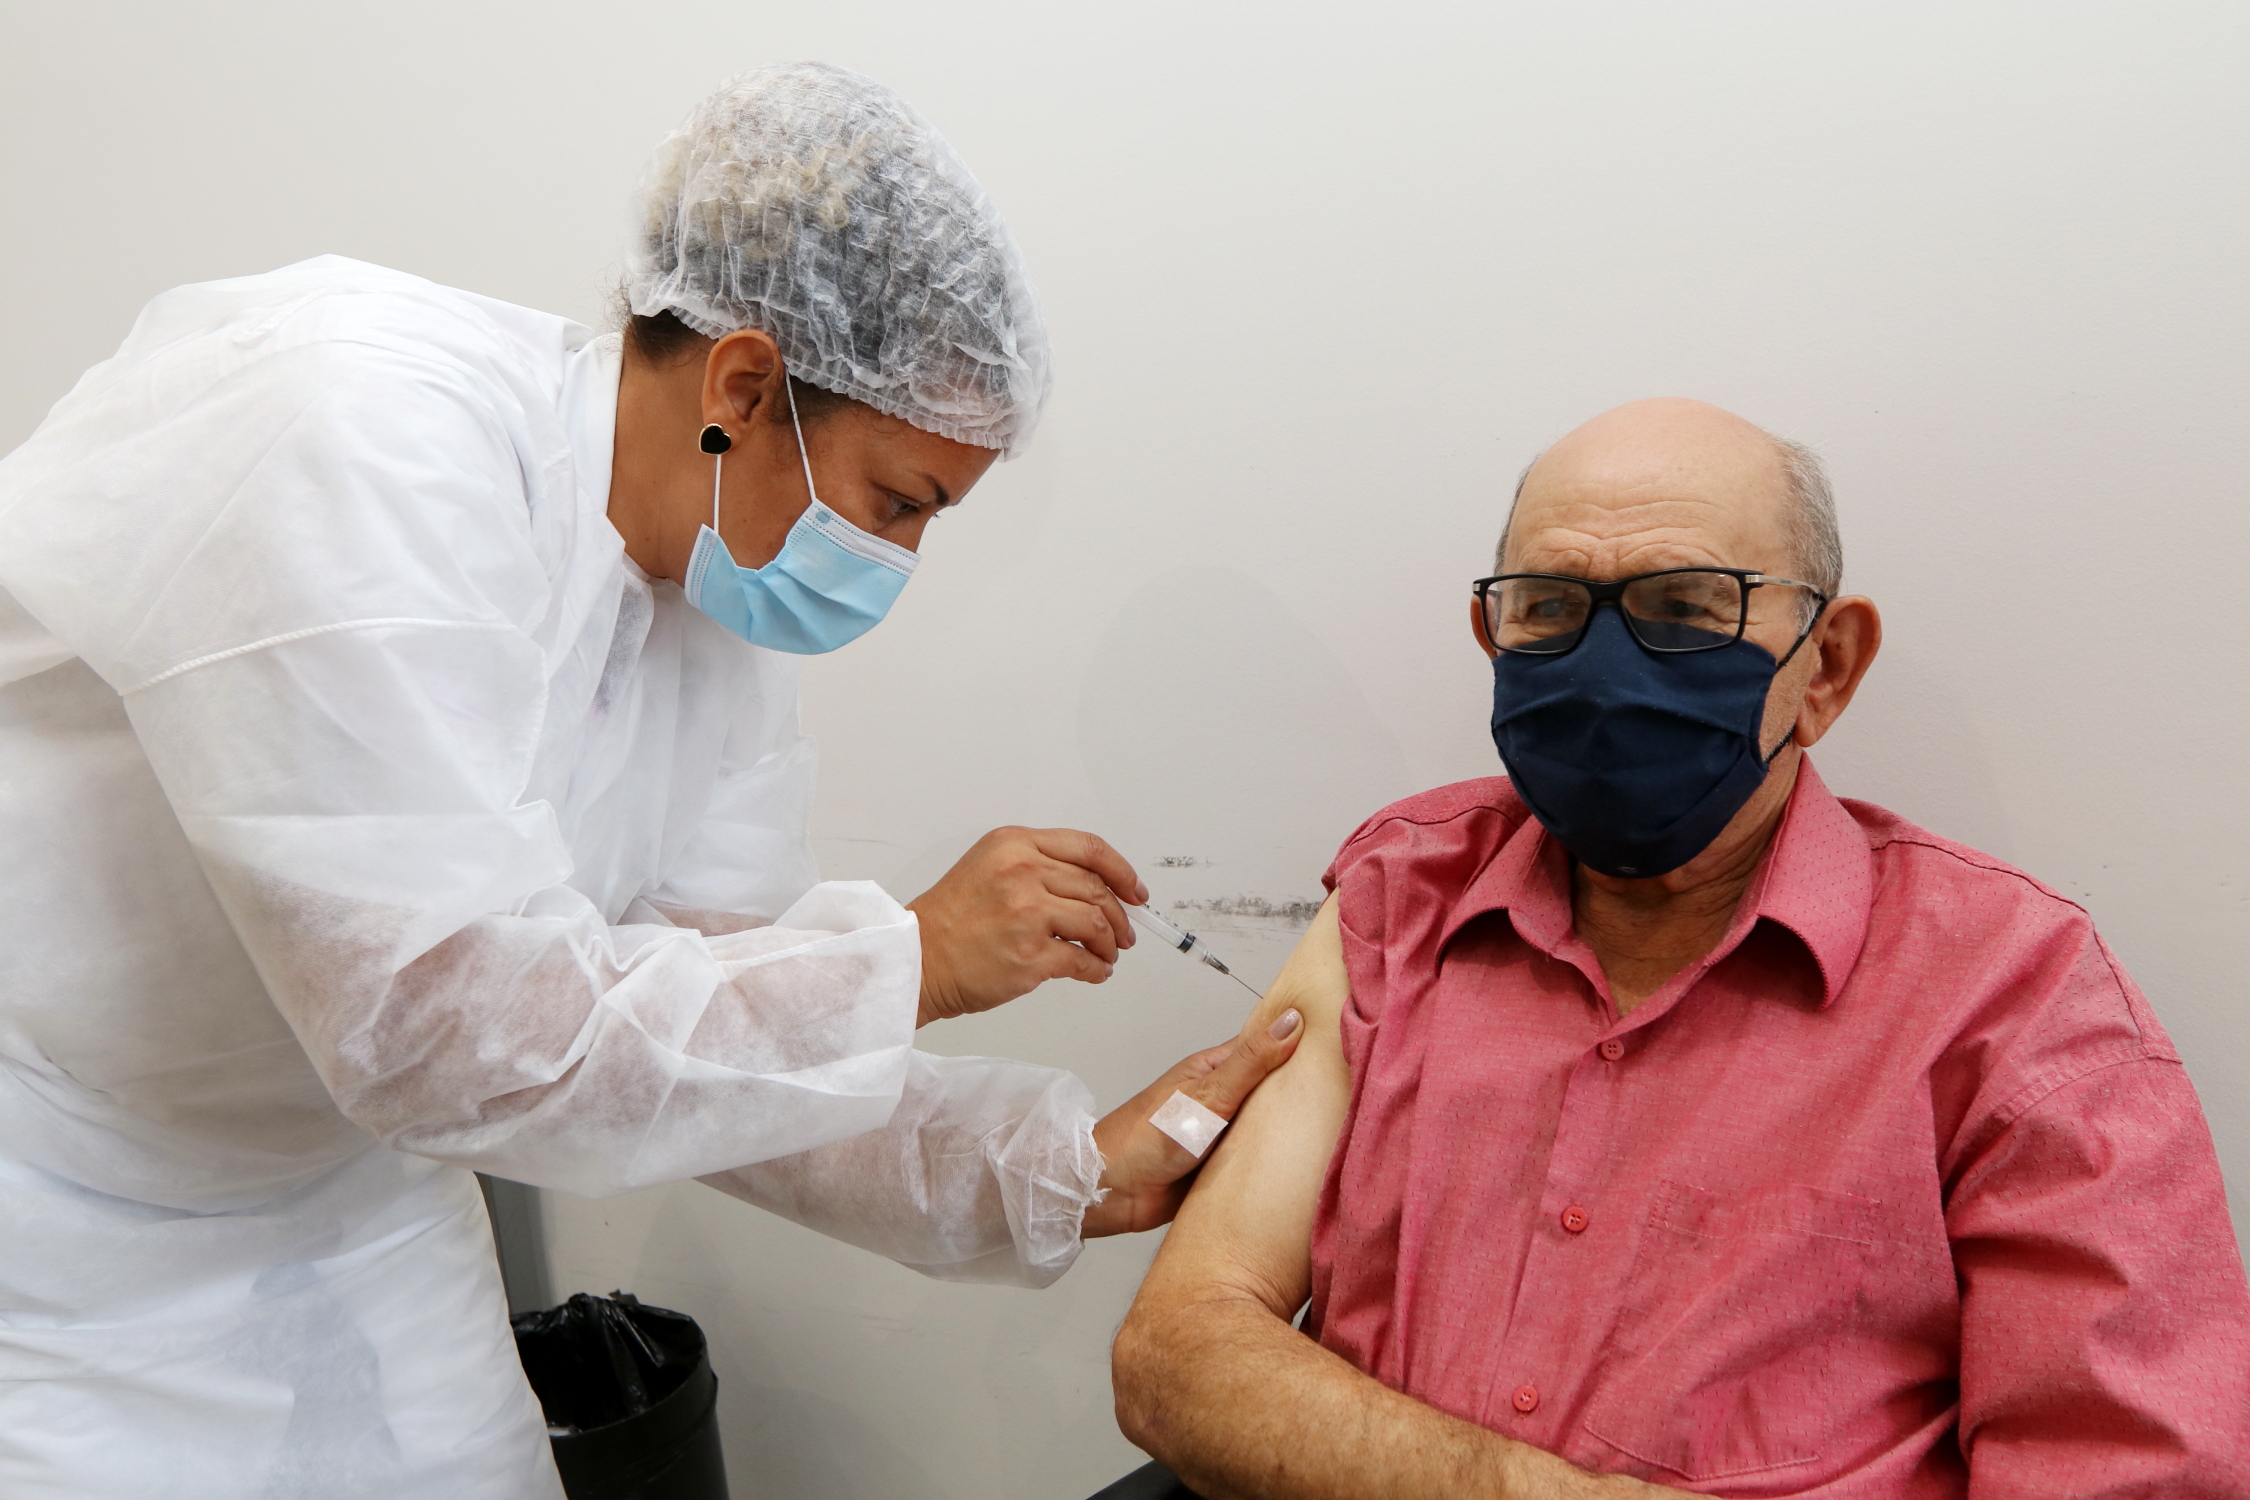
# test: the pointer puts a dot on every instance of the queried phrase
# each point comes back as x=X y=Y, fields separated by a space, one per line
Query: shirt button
x=1612 y=1050
x=1526 y=1398
x=1574 y=1219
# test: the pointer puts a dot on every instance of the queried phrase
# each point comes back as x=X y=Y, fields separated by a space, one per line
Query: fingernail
x=1284 y=1026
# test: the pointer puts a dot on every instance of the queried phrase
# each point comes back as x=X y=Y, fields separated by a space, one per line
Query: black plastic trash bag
x=1148 y=1482
x=631 y=1403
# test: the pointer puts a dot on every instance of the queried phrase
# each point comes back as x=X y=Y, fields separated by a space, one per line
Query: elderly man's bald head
x=1670 y=482
x=1650 y=487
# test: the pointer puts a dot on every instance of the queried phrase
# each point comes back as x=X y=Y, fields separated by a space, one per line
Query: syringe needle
x=1237 y=978
x=1186 y=942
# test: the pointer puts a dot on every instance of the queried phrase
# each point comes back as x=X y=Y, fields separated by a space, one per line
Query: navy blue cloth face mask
x=1634 y=759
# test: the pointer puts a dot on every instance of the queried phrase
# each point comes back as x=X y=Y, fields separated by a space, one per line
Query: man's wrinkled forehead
x=1656 y=484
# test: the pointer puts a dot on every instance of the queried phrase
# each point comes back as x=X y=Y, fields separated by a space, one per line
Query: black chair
x=1149 y=1482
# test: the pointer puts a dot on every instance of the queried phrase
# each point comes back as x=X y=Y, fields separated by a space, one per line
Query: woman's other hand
x=1146 y=1171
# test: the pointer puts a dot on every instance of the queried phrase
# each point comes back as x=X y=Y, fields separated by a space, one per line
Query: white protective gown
x=369 y=817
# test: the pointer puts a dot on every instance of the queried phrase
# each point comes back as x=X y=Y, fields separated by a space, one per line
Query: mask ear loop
x=714 y=441
x=798 y=427
x=1803 y=636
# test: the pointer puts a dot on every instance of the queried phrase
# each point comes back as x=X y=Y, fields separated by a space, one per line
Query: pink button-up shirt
x=1901 y=1191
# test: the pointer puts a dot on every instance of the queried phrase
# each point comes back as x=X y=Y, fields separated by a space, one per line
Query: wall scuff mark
x=1287 y=911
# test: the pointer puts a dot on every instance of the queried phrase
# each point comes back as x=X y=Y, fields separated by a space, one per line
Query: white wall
x=1321 y=279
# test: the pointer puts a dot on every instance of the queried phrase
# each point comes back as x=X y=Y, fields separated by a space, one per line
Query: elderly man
x=1664 y=1121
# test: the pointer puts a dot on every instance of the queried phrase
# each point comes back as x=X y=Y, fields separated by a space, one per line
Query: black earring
x=714 y=440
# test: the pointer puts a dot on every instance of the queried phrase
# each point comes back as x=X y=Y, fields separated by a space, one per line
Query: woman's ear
x=741 y=376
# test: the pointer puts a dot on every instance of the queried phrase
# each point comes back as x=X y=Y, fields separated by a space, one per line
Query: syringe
x=1186 y=942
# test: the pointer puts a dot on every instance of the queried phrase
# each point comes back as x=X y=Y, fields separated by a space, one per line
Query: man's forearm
x=1244 y=1407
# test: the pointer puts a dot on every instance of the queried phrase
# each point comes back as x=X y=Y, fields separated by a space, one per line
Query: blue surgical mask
x=828 y=586
x=1634 y=759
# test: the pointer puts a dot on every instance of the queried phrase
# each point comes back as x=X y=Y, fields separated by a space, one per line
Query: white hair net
x=816 y=205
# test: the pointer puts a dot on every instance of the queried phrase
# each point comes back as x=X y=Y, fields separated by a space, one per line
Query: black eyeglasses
x=1673 y=610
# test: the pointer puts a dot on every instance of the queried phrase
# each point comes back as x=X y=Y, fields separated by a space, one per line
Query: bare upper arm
x=1246 y=1227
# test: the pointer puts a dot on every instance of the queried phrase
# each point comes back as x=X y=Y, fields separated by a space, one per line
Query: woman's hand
x=1023 y=906
x=1146 y=1171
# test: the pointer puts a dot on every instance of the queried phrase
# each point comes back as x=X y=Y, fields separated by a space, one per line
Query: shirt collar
x=589 y=411
x=1816 y=882
x=1820 y=880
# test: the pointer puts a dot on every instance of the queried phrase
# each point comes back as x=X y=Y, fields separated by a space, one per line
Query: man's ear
x=1851 y=632
x=1476 y=625
x=742 y=373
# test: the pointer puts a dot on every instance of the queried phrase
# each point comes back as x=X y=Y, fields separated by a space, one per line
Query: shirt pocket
x=1722 y=1360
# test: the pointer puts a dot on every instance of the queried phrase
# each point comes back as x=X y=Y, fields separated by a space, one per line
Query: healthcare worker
x=398 y=715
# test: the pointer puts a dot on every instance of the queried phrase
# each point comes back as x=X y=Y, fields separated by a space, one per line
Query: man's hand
x=1023 y=906
x=1146 y=1171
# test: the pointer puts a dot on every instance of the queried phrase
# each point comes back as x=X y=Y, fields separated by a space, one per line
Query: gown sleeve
x=983 y=1173
x=313 y=575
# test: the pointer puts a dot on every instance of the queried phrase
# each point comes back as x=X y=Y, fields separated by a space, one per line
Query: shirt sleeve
x=327 y=585
x=984 y=1173
x=2105 y=1336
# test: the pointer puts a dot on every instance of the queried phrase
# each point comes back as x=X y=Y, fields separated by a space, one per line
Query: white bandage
x=1188 y=1122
